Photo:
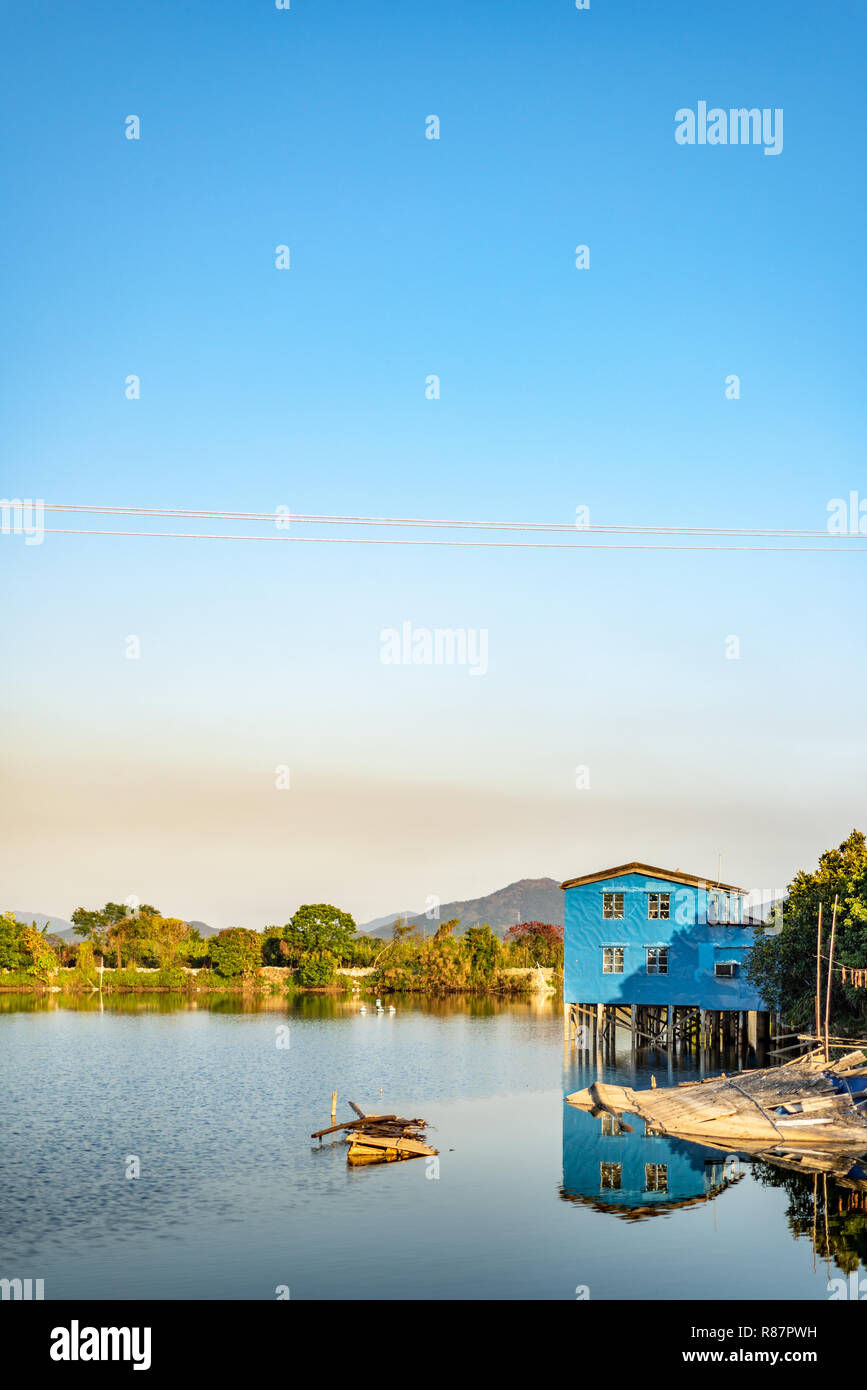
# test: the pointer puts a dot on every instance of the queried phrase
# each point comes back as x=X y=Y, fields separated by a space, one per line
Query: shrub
x=316 y=970
x=10 y=941
x=37 y=956
x=235 y=952
x=484 y=951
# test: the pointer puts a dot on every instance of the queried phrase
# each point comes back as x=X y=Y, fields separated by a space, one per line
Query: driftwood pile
x=806 y=1102
x=381 y=1138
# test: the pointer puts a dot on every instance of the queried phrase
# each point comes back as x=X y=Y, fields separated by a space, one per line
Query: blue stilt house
x=647 y=936
x=636 y=1174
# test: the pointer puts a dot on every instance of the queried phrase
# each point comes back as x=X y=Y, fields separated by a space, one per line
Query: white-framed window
x=612 y=906
x=610 y=1176
x=659 y=906
x=610 y=1125
x=726 y=969
x=612 y=960
x=657 y=960
x=723 y=908
x=656 y=1177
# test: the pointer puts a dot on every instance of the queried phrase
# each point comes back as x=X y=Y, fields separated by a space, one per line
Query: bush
x=37 y=956
x=316 y=970
x=85 y=965
x=10 y=941
x=236 y=952
x=171 y=978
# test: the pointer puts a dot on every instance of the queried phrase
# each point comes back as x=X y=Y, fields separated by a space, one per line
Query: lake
x=234 y=1199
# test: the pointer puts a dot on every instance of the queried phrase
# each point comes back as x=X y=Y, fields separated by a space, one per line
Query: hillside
x=528 y=900
x=58 y=926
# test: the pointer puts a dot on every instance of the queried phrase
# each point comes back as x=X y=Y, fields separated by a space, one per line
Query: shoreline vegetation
x=137 y=950
x=320 y=950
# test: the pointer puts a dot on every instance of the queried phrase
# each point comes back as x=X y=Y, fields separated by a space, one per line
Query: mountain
x=528 y=900
x=388 y=921
x=58 y=926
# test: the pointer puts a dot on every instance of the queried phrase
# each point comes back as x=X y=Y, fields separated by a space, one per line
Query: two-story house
x=647 y=936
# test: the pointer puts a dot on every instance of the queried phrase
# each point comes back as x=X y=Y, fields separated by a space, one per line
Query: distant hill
x=373 y=928
x=58 y=926
x=528 y=900
x=203 y=928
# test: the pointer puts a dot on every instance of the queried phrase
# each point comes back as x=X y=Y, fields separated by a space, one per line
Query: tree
x=167 y=934
x=541 y=942
x=484 y=949
x=38 y=958
x=316 y=970
x=111 y=927
x=236 y=952
x=446 y=929
x=783 y=966
x=320 y=927
x=10 y=942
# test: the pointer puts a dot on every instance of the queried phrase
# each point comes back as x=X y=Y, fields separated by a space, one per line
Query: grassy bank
x=268 y=980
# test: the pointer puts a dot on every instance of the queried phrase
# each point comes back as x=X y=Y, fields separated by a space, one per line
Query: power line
x=475 y=544
x=312 y=518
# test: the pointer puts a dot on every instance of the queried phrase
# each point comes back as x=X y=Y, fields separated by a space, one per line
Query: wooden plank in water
x=384 y=1141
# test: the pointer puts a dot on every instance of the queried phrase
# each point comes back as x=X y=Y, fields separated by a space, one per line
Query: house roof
x=674 y=876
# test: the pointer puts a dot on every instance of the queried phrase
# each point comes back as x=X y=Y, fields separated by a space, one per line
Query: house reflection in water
x=637 y=1175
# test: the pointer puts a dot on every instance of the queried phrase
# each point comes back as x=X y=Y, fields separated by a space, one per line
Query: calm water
x=235 y=1199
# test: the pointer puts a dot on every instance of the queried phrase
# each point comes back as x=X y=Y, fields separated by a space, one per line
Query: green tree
x=446 y=929
x=10 y=942
x=168 y=936
x=783 y=965
x=535 y=943
x=316 y=970
x=37 y=956
x=236 y=952
x=483 y=948
x=319 y=927
x=112 y=927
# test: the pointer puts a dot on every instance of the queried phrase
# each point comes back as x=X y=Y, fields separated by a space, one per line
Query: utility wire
x=308 y=518
x=415 y=540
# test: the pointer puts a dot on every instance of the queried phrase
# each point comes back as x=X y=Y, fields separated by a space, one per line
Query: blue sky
x=305 y=388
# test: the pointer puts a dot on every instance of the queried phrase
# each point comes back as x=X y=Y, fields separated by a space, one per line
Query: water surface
x=235 y=1199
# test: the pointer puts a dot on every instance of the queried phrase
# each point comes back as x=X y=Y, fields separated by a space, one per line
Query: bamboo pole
x=819 y=973
x=830 y=972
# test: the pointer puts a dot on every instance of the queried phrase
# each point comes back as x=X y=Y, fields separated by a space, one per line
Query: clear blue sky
x=559 y=387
